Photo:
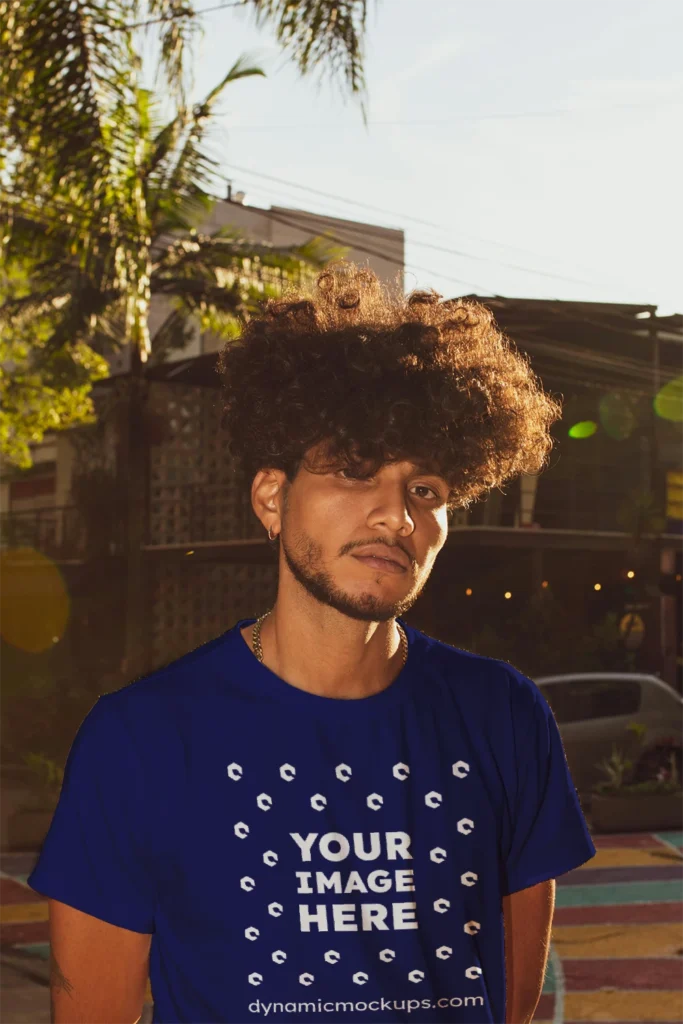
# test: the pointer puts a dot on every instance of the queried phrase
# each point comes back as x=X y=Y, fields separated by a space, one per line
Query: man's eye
x=423 y=487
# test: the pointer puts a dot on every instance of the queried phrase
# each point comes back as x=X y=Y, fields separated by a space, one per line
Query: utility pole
x=665 y=554
x=133 y=469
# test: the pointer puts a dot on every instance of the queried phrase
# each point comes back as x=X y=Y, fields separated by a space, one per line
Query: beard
x=305 y=562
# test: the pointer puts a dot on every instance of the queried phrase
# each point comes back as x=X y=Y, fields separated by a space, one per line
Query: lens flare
x=668 y=401
x=584 y=429
x=617 y=416
x=34 y=600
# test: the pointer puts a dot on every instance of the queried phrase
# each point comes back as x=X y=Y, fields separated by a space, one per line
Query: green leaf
x=102 y=200
x=320 y=35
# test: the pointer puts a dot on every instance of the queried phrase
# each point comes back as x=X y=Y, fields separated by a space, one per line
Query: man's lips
x=379 y=562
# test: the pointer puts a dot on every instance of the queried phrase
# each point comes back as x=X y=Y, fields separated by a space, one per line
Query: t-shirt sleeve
x=95 y=856
x=549 y=834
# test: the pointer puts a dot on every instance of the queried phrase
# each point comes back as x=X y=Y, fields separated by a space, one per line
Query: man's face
x=329 y=519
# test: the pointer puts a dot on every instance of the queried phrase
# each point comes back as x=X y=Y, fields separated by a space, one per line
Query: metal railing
x=194 y=513
x=573 y=504
x=57 y=532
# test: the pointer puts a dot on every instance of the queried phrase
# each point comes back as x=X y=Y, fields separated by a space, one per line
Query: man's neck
x=330 y=655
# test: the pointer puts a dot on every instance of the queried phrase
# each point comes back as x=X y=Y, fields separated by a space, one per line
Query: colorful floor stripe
x=23 y=914
x=617 y=942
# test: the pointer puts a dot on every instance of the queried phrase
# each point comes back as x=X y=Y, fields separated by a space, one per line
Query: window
x=578 y=700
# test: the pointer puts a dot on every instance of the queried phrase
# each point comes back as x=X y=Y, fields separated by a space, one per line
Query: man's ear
x=268 y=493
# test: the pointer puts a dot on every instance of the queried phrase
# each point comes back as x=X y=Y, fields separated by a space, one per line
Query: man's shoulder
x=442 y=655
x=474 y=674
x=190 y=672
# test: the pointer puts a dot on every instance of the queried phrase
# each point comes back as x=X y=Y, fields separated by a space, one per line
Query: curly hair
x=380 y=376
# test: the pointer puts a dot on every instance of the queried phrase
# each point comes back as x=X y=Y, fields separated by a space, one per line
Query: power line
x=183 y=14
x=381 y=233
x=555 y=304
x=72 y=209
x=629 y=367
x=270 y=214
x=541 y=343
x=407 y=217
x=512 y=115
x=568 y=316
x=365 y=249
x=487 y=259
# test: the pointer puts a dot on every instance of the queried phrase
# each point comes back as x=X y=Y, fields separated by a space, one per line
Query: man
x=325 y=814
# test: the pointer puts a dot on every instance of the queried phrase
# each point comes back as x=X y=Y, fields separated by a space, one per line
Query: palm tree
x=98 y=286
x=94 y=267
x=104 y=202
x=96 y=192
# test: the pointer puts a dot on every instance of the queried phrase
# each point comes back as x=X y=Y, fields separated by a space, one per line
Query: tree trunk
x=133 y=465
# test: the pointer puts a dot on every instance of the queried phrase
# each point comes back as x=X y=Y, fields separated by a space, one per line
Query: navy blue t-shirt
x=308 y=859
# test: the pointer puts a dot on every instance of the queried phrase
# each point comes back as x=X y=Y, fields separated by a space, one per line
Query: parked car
x=593 y=709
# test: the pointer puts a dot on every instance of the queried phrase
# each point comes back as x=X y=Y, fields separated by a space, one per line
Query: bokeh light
x=34 y=600
x=617 y=416
x=586 y=428
x=632 y=629
x=668 y=401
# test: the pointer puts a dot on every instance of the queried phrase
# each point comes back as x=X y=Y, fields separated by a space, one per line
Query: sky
x=538 y=143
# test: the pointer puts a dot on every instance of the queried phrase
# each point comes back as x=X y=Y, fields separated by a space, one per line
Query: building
x=190 y=489
x=571 y=531
x=572 y=527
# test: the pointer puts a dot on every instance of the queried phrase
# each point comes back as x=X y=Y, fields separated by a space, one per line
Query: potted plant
x=621 y=805
x=27 y=826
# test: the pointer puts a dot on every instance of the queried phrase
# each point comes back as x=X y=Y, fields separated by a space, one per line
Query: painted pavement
x=617 y=940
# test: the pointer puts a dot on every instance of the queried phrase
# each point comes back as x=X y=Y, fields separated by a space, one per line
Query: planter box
x=27 y=828
x=647 y=812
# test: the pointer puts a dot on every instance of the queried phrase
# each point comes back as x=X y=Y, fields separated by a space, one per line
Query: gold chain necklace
x=258 y=650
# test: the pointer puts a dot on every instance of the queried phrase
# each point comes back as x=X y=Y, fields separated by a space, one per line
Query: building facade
x=545 y=561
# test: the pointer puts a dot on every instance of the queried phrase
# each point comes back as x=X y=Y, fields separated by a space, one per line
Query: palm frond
x=222 y=250
x=326 y=35
x=177 y=33
x=77 y=58
x=180 y=213
x=175 y=333
x=178 y=171
x=191 y=170
x=40 y=389
x=223 y=279
x=240 y=69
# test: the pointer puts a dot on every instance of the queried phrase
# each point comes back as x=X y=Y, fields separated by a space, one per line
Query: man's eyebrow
x=423 y=466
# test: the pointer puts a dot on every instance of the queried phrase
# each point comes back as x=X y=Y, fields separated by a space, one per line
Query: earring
x=269 y=536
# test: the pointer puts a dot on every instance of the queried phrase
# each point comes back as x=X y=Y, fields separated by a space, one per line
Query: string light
x=545 y=583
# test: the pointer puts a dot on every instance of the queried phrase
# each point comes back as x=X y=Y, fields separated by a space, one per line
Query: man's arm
x=528 y=916
x=98 y=971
